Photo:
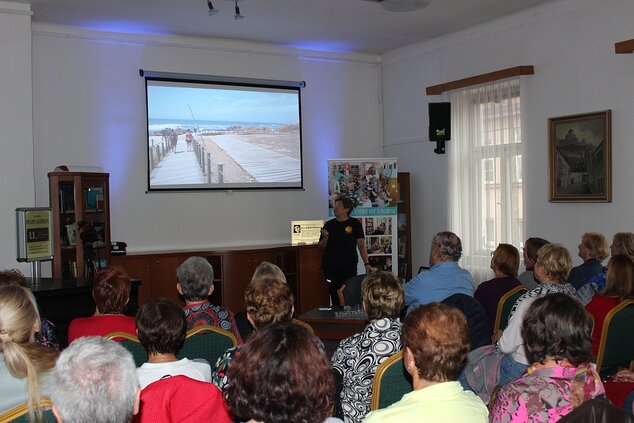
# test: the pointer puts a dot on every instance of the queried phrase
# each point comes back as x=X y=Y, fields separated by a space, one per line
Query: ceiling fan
x=401 y=5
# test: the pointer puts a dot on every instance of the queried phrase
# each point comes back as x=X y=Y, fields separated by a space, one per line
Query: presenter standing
x=340 y=238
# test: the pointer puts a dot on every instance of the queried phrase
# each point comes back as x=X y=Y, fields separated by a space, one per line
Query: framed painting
x=580 y=158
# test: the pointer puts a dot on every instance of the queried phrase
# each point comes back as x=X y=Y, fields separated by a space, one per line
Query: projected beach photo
x=212 y=136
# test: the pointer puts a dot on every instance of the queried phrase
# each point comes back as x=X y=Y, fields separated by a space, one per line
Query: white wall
x=571 y=45
x=89 y=109
x=16 y=137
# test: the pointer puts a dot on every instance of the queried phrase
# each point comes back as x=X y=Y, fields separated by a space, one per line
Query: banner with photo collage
x=372 y=186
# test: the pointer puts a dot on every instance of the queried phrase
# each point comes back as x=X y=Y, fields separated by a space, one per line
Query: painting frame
x=580 y=158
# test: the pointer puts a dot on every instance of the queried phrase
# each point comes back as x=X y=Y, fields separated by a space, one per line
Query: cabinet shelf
x=71 y=204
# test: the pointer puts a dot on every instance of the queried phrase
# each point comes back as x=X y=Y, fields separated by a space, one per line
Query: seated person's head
x=95 y=381
x=531 y=247
x=506 y=260
x=553 y=264
x=446 y=246
x=281 y=375
x=111 y=290
x=595 y=246
x=619 y=280
x=12 y=277
x=195 y=279
x=268 y=270
x=623 y=243
x=436 y=342
x=382 y=295
x=161 y=326
x=557 y=327
x=267 y=298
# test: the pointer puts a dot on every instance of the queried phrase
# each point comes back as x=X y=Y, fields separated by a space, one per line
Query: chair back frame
x=502 y=304
x=394 y=360
x=606 y=330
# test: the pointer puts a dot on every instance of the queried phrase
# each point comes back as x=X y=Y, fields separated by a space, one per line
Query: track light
x=238 y=15
x=212 y=10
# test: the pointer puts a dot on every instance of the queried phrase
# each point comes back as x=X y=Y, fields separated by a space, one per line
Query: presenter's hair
x=196 y=276
x=557 y=326
x=95 y=381
x=281 y=375
x=346 y=202
x=161 y=326
x=506 y=259
x=382 y=295
x=438 y=338
x=449 y=244
x=268 y=298
x=111 y=290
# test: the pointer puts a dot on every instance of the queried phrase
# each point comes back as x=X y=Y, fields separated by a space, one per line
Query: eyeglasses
x=492 y=253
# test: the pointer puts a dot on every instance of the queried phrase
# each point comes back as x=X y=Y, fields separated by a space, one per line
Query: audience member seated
x=620 y=391
x=24 y=364
x=46 y=336
x=195 y=284
x=531 y=247
x=623 y=243
x=268 y=300
x=593 y=249
x=111 y=292
x=436 y=343
x=556 y=331
x=619 y=286
x=505 y=263
x=356 y=359
x=95 y=381
x=182 y=399
x=282 y=375
x=161 y=330
x=445 y=277
x=508 y=360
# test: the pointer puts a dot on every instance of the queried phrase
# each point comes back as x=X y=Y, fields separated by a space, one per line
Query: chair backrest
x=306 y=325
x=597 y=410
x=352 y=290
x=20 y=413
x=391 y=382
x=505 y=305
x=477 y=322
x=132 y=344
x=208 y=342
x=616 y=347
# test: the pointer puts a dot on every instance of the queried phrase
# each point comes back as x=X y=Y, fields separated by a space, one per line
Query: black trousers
x=334 y=279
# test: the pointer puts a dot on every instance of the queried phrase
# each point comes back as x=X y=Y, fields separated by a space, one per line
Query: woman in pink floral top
x=556 y=332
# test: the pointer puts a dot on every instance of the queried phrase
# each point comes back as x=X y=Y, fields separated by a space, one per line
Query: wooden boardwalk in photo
x=178 y=167
x=263 y=164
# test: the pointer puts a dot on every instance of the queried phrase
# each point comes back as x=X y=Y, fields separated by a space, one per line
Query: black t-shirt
x=341 y=250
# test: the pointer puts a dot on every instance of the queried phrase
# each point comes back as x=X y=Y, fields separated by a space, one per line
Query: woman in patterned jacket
x=357 y=358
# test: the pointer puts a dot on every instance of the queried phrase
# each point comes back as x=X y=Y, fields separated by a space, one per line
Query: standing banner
x=372 y=185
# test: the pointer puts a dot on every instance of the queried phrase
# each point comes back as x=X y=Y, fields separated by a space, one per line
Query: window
x=486 y=198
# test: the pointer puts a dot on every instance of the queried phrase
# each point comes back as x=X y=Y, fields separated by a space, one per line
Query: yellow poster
x=38 y=241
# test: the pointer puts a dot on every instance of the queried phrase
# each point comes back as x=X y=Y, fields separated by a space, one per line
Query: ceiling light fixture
x=212 y=10
x=237 y=15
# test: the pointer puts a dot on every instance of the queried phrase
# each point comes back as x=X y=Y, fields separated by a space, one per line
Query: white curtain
x=486 y=199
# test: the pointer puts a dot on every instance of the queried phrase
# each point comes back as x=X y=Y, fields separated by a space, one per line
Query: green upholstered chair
x=616 y=348
x=130 y=343
x=350 y=294
x=207 y=342
x=391 y=382
x=20 y=413
x=505 y=305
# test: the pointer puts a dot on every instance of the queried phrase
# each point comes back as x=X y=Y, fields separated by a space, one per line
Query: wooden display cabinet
x=81 y=223
x=404 y=228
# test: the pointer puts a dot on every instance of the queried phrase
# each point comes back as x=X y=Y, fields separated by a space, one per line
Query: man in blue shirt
x=445 y=277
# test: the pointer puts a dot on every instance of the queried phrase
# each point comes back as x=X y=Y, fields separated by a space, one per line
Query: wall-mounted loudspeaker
x=439 y=121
